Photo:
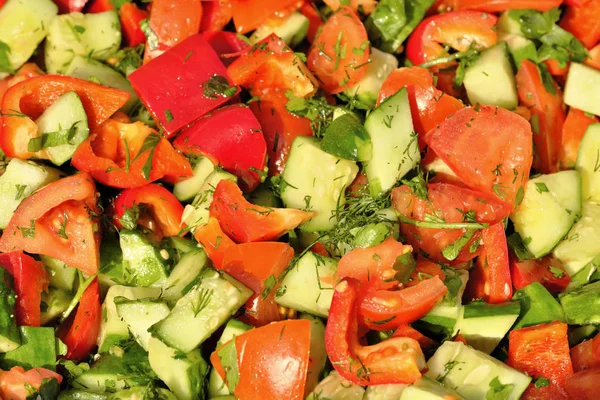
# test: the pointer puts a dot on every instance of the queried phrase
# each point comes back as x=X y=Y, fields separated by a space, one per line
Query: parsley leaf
x=498 y=390
x=541 y=382
x=5 y=65
x=228 y=356
x=316 y=109
x=150 y=35
x=218 y=86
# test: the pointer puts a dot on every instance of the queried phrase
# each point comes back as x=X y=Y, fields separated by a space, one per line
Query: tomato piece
x=32 y=96
x=583 y=23
x=277 y=353
x=340 y=53
x=16 y=384
x=373 y=266
x=246 y=222
x=548 y=271
x=586 y=355
x=28 y=70
x=172 y=22
x=499 y=142
x=315 y=22
x=112 y=156
x=214 y=241
x=366 y=6
x=164 y=209
x=490 y=279
x=240 y=148
x=131 y=16
x=215 y=15
x=542 y=350
x=503 y=5
x=573 y=130
x=410 y=332
x=81 y=335
x=425 y=269
x=69 y=6
x=460 y=30
x=226 y=44
x=593 y=59
x=60 y=221
x=98 y=6
x=555 y=69
x=260 y=312
x=250 y=14
x=394 y=360
x=547 y=116
x=452 y=204
x=583 y=385
x=30 y=279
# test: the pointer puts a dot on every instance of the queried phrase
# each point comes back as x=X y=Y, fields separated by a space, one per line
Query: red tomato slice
x=131 y=16
x=315 y=22
x=340 y=52
x=548 y=271
x=30 y=279
x=14 y=384
x=98 y=6
x=499 y=143
x=583 y=385
x=260 y=312
x=215 y=15
x=573 y=130
x=250 y=14
x=586 y=355
x=226 y=44
x=583 y=23
x=214 y=241
x=69 y=6
x=425 y=269
x=542 y=350
x=593 y=59
x=366 y=6
x=503 y=5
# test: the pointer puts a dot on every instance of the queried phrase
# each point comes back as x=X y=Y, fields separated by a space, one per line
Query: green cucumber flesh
x=184 y=273
x=581 y=88
x=187 y=189
x=61 y=275
x=139 y=315
x=582 y=305
x=144 y=262
x=293 y=30
x=334 y=387
x=588 y=163
x=428 y=389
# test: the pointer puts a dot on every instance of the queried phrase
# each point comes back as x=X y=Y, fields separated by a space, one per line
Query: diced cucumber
x=293 y=30
x=63 y=126
x=380 y=65
x=490 y=79
x=264 y=196
x=142 y=260
x=142 y=392
x=582 y=243
x=139 y=315
x=201 y=311
x=334 y=387
x=10 y=338
x=37 y=350
x=307 y=285
x=76 y=394
x=88 y=69
x=538 y=306
x=347 y=138
x=581 y=88
x=581 y=333
x=550 y=207
x=61 y=275
x=23 y=25
x=395 y=147
x=184 y=374
x=588 y=163
x=470 y=372
x=187 y=189
x=520 y=48
x=508 y=24
x=55 y=302
x=184 y=274
x=438 y=166
x=392 y=391
x=19 y=181
x=318 y=352
x=484 y=325
x=315 y=177
x=582 y=305
x=428 y=389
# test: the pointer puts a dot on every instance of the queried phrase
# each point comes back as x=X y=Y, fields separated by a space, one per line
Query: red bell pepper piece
x=586 y=355
x=246 y=222
x=542 y=351
x=172 y=22
x=503 y=5
x=131 y=16
x=215 y=15
x=490 y=279
x=315 y=22
x=81 y=335
x=573 y=130
x=214 y=241
x=69 y=6
x=28 y=70
x=583 y=22
x=227 y=45
x=548 y=271
x=250 y=14
x=160 y=210
x=124 y=155
x=260 y=312
x=16 y=384
x=583 y=385
x=240 y=148
x=395 y=360
x=98 y=6
x=2 y=2
x=32 y=96
x=30 y=279
x=60 y=221
x=278 y=354
x=196 y=84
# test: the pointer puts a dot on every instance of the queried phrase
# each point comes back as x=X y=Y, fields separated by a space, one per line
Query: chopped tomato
x=28 y=70
x=214 y=241
x=547 y=116
x=69 y=6
x=98 y=6
x=542 y=351
x=425 y=269
x=278 y=354
x=315 y=22
x=583 y=385
x=60 y=221
x=340 y=53
x=583 y=23
x=30 y=279
x=586 y=355
x=260 y=312
x=503 y=5
x=366 y=6
x=215 y=15
x=131 y=16
x=573 y=130
x=548 y=271
x=17 y=383
x=250 y=14
x=593 y=59
x=499 y=143
x=227 y=45
x=555 y=69
x=445 y=83
x=410 y=332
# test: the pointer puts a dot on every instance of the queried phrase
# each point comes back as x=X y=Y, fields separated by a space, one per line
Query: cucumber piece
x=582 y=244
x=438 y=166
x=307 y=285
x=184 y=274
x=184 y=374
x=318 y=352
x=61 y=275
x=334 y=387
x=23 y=25
x=292 y=31
x=347 y=138
x=395 y=146
x=76 y=394
x=471 y=372
x=581 y=88
x=264 y=196
x=144 y=263
x=88 y=69
x=318 y=178
x=508 y=24
x=142 y=392
x=37 y=350
x=538 y=306
x=392 y=391
x=581 y=333
x=19 y=181
x=139 y=315
x=428 y=389
x=551 y=205
x=10 y=338
x=582 y=305
x=187 y=189
x=64 y=125
x=588 y=163
x=520 y=48
x=484 y=325
x=380 y=65
x=199 y=313
x=491 y=80
x=54 y=304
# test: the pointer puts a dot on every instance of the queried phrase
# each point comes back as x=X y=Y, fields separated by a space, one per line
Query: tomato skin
x=425 y=269
x=131 y=16
x=30 y=279
x=503 y=5
x=260 y=312
x=71 y=199
x=250 y=14
x=593 y=59
x=500 y=143
x=226 y=44
x=583 y=385
x=586 y=355
x=214 y=241
x=13 y=382
x=526 y=272
x=215 y=15
x=407 y=331
x=337 y=71
x=573 y=130
x=282 y=365
x=583 y=23
x=451 y=28
x=542 y=350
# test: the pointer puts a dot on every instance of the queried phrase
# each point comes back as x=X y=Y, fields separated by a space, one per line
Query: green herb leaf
x=53 y=139
x=404 y=265
x=150 y=35
x=498 y=390
x=228 y=357
x=452 y=251
x=5 y=64
x=541 y=187
x=541 y=382
x=270 y=283
x=130 y=217
x=316 y=109
x=218 y=86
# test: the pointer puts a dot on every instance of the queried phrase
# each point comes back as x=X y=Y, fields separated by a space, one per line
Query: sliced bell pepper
x=27 y=100
x=131 y=16
x=196 y=84
x=227 y=45
x=125 y=155
x=215 y=15
x=156 y=207
x=16 y=384
x=30 y=278
x=315 y=22
x=69 y=6
x=60 y=221
x=548 y=271
x=240 y=148
x=250 y=14
x=410 y=332
x=98 y=6
x=214 y=241
x=583 y=22
x=573 y=130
